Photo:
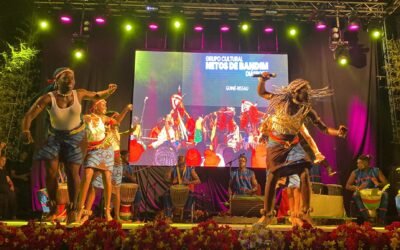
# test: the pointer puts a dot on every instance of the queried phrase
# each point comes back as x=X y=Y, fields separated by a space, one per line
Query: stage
x=188 y=226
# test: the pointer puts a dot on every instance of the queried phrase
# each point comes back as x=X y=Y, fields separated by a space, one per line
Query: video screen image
x=202 y=105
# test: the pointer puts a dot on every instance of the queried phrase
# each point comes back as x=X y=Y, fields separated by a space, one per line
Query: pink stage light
x=100 y=20
x=153 y=26
x=65 y=19
x=268 y=29
x=320 y=25
x=354 y=27
x=198 y=28
x=224 y=28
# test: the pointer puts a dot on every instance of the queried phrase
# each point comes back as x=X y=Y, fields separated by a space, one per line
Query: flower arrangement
x=97 y=234
x=209 y=235
x=354 y=236
x=393 y=235
x=33 y=236
x=200 y=215
x=154 y=235
x=260 y=237
x=306 y=237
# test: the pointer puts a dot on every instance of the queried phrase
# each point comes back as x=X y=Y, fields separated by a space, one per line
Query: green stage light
x=376 y=34
x=245 y=27
x=343 y=61
x=44 y=25
x=128 y=27
x=177 y=24
x=79 y=54
x=293 y=31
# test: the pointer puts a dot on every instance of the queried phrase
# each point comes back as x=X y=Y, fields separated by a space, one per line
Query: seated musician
x=243 y=180
x=180 y=175
x=364 y=177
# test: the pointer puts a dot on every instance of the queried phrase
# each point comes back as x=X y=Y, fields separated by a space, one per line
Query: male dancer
x=66 y=133
x=288 y=109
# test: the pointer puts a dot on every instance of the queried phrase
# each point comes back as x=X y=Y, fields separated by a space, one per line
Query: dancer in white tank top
x=66 y=134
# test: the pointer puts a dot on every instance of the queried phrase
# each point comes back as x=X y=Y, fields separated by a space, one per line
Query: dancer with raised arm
x=66 y=134
x=288 y=109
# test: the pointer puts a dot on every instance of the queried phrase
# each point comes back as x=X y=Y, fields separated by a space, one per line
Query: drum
x=318 y=188
x=179 y=195
x=128 y=192
x=43 y=199
x=371 y=197
x=62 y=196
x=165 y=155
x=125 y=212
x=334 y=189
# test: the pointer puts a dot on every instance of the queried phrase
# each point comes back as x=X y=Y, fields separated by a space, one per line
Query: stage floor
x=186 y=226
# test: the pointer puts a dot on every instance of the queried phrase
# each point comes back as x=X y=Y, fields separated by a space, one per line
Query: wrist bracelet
x=27 y=130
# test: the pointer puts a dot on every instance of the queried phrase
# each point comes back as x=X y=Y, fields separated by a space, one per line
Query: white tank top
x=65 y=118
x=95 y=131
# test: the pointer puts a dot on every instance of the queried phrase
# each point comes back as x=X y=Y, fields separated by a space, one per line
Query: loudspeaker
x=247 y=205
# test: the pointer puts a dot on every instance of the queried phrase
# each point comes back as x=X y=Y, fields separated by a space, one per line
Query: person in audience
x=365 y=177
x=20 y=170
x=180 y=175
x=66 y=138
x=7 y=191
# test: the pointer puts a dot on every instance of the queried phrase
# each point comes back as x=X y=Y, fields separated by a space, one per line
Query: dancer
x=116 y=176
x=66 y=134
x=288 y=109
x=100 y=155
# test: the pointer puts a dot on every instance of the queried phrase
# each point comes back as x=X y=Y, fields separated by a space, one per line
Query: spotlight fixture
x=198 y=27
x=342 y=55
x=244 y=20
x=320 y=24
x=79 y=46
x=65 y=13
x=65 y=19
x=151 y=8
x=153 y=26
x=375 y=29
x=198 y=22
x=268 y=26
x=224 y=28
x=354 y=23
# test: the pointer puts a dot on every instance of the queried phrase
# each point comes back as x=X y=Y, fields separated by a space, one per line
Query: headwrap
x=59 y=71
x=95 y=104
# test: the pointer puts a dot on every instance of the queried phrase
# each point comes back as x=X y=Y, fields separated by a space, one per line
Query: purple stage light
x=100 y=20
x=354 y=27
x=198 y=28
x=65 y=19
x=153 y=26
x=224 y=28
x=320 y=25
x=268 y=29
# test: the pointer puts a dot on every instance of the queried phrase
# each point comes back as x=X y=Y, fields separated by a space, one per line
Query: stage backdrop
x=111 y=59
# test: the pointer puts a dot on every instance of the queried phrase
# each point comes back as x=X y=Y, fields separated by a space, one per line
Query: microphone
x=273 y=75
x=145 y=99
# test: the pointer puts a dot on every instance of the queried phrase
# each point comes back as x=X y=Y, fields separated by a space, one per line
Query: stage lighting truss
x=257 y=8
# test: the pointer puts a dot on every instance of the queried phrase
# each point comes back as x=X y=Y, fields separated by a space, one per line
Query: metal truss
x=392 y=65
x=257 y=9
